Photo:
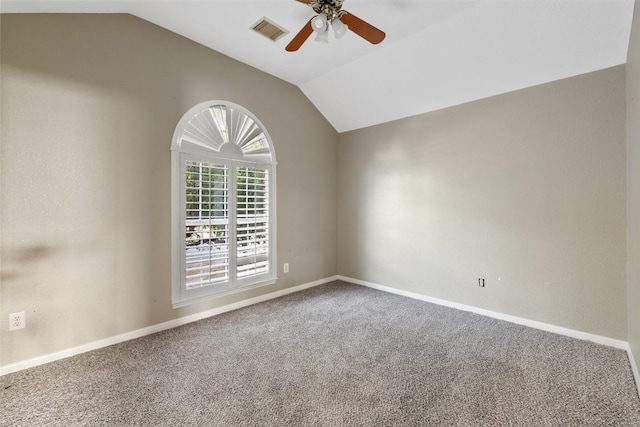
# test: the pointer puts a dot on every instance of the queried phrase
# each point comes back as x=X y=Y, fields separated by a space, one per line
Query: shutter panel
x=206 y=224
x=252 y=221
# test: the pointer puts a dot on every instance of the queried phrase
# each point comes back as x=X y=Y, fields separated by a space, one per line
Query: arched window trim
x=259 y=155
x=178 y=140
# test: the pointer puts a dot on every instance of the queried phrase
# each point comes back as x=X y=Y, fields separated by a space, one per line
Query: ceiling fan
x=329 y=12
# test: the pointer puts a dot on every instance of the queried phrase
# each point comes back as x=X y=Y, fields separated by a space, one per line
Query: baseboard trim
x=623 y=345
x=116 y=339
x=634 y=368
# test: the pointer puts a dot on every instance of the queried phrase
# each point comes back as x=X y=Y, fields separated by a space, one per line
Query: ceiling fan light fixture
x=322 y=37
x=330 y=13
x=319 y=23
x=339 y=28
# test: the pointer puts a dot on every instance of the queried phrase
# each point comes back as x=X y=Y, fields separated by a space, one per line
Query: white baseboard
x=634 y=368
x=623 y=345
x=63 y=354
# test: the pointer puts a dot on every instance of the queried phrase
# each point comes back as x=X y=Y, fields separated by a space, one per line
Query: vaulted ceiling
x=437 y=53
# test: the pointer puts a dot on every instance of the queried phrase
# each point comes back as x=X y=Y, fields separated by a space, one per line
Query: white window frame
x=183 y=150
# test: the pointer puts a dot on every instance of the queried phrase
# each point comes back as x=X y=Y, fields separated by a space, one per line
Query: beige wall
x=525 y=189
x=633 y=186
x=89 y=106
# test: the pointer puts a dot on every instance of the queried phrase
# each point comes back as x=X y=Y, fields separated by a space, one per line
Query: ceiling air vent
x=269 y=29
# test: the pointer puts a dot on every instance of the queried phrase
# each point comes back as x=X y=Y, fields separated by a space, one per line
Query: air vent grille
x=269 y=29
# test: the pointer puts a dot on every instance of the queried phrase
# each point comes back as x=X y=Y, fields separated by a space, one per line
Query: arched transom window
x=223 y=203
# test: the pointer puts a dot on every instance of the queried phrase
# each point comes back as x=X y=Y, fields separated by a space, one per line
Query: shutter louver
x=218 y=124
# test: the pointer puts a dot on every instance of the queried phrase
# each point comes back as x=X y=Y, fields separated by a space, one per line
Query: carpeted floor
x=335 y=355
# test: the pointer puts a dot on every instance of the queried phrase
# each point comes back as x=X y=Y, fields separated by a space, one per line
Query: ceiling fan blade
x=307 y=2
x=362 y=28
x=300 y=38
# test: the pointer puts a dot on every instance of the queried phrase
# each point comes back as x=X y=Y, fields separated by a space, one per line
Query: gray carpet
x=335 y=355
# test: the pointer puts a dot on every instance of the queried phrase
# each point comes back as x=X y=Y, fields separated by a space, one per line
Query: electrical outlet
x=285 y=267
x=481 y=282
x=17 y=321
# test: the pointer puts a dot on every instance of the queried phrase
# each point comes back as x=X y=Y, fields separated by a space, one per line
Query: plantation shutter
x=252 y=221
x=206 y=224
x=223 y=176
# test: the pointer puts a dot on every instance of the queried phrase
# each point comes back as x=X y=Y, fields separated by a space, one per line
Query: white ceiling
x=437 y=53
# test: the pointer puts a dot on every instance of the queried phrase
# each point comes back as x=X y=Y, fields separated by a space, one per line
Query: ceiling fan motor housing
x=330 y=8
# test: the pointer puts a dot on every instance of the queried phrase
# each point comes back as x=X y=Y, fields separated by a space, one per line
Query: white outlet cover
x=17 y=321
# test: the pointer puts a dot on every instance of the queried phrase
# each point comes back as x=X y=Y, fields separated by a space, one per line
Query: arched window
x=223 y=203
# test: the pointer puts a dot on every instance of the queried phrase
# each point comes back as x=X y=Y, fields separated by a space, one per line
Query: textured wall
x=526 y=189
x=89 y=106
x=633 y=186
